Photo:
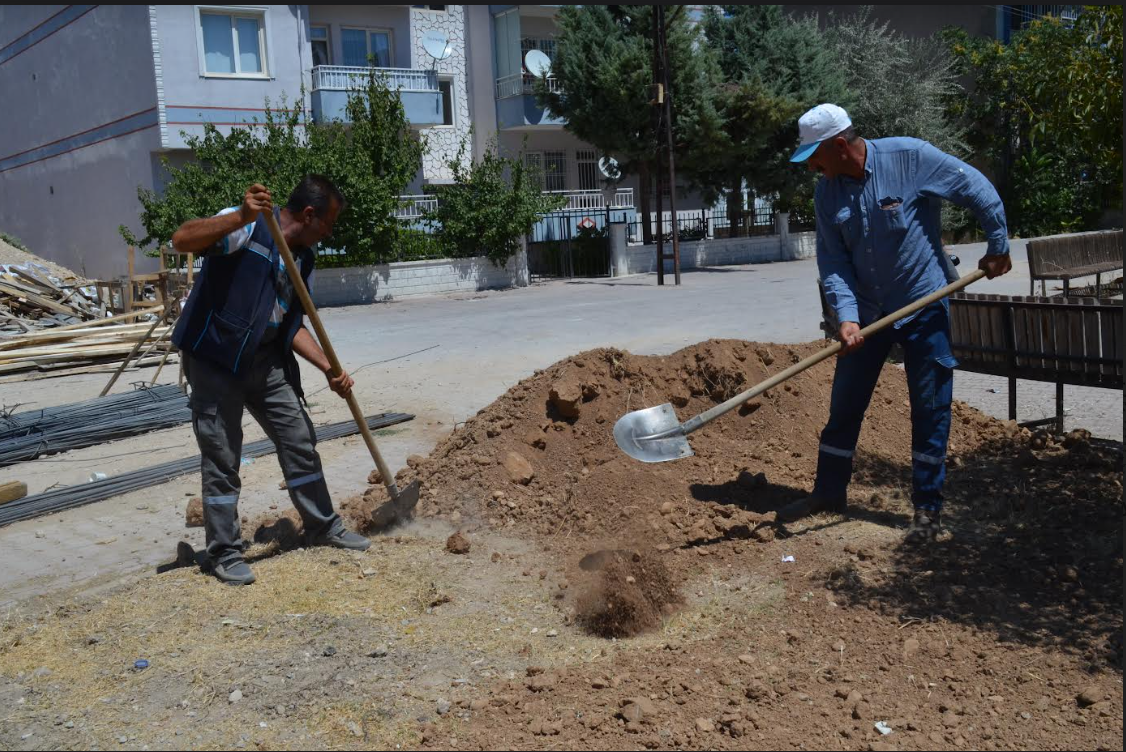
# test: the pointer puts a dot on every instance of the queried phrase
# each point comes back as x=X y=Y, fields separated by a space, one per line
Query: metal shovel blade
x=639 y=434
x=396 y=510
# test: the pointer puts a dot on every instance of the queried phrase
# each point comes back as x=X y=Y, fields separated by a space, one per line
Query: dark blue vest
x=231 y=303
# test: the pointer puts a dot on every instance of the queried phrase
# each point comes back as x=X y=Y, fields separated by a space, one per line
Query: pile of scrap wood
x=92 y=346
x=32 y=299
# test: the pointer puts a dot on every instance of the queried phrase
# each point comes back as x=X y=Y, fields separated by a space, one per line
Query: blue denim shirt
x=879 y=239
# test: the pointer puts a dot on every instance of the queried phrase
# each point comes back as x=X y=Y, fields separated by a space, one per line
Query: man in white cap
x=879 y=248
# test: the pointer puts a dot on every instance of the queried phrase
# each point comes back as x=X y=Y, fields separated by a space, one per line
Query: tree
x=1046 y=111
x=371 y=160
x=603 y=66
x=492 y=203
x=899 y=86
x=775 y=67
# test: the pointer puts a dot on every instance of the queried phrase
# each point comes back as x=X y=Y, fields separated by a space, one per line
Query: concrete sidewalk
x=443 y=359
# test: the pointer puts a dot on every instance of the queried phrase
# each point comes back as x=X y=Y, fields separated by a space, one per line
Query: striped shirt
x=239 y=240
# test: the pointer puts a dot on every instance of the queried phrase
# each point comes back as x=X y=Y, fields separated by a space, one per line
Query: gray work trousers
x=217 y=402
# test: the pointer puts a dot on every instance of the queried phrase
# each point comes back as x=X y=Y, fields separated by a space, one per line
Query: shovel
x=402 y=501
x=655 y=435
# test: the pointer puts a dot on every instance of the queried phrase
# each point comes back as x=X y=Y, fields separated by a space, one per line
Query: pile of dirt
x=541 y=463
x=542 y=458
x=631 y=593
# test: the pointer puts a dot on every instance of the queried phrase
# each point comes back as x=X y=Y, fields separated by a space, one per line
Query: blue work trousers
x=930 y=381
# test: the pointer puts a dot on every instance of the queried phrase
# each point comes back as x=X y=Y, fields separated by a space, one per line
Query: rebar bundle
x=87 y=493
x=35 y=433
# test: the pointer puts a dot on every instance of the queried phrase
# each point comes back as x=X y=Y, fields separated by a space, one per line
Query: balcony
x=594 y=199
x=516 y=102
x=413 y=207
x=418 y=90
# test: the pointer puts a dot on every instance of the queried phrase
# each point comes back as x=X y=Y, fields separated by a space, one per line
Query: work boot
x=233 y=571
x=924 y=528
x=343 y=539
x=808 y=506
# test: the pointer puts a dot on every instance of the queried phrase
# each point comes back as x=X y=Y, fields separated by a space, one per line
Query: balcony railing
x=593 y=199
x=522 y=83
x=348 y=78
x=412 y=207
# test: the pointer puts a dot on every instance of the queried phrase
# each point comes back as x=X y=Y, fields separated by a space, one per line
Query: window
x=534 y=161
x=446 y=86
x=359 y=43
x=436 y=8
x=318 y=36
x=555 y=170
x=232 y=44
x=506 y=38
x=589 y=174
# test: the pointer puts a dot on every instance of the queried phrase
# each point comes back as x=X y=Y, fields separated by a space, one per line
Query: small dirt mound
x=631 y=593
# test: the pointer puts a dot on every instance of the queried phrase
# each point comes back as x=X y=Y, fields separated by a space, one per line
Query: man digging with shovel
x=237 y=336
x=879 y=248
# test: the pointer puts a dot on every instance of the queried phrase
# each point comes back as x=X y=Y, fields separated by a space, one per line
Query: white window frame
x=367 y=38
x=453 y=101
x=427 y=9
x=259 y=13
x=327 y=40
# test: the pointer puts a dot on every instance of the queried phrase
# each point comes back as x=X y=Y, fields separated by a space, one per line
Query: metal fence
x=522 y=83
x=699 y=224
x=566 y=244
x=350 y=77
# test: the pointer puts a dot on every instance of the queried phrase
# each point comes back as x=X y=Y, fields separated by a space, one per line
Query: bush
x=371 y=161
x=490 y=206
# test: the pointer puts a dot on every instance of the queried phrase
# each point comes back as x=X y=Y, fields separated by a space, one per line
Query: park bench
x=1075 y=341
x=1069 y=257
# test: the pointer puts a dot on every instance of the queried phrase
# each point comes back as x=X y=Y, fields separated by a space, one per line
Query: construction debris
x=31 y=298
x=101 y=341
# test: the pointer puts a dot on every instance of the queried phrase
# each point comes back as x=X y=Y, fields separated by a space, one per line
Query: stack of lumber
x=31 y=299
x=89 y=347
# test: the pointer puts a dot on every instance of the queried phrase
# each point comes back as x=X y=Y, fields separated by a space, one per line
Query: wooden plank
x=1091 y=348
x=1078 y=344
x=28 y=274
x=997 y=324
x=111 y=319
x=59 y=333
x=39 y=300
x=1021 y=336
x=127 y=303
x=12 y=490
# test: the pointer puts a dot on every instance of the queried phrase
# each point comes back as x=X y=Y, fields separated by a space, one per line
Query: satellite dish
x=437 y=45
x=609 y=168
x=537 y=63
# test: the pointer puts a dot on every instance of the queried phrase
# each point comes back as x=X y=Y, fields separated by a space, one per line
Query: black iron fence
x=698 y=224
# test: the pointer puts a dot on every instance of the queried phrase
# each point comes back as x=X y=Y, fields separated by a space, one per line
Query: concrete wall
x=192 y=98
x=642 y=259
x=360 y=285
x=78 y=124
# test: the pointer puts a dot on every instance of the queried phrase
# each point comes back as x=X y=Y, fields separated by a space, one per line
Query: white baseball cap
x=822 y=122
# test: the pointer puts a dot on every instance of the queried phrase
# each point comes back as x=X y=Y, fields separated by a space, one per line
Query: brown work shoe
x=809 y=505
x=924 y=527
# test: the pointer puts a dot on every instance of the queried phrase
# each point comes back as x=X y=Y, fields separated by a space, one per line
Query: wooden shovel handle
x=326 y=345
x=704 y=418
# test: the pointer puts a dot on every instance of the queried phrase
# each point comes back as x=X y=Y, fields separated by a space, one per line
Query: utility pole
x=662 y=132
